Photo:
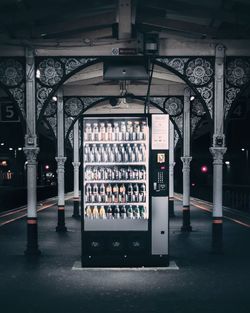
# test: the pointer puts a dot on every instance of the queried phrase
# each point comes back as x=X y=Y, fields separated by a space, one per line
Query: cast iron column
x=218 y=150
x=31 y=150
x=76 y=165
x=60 y=163
x=186 y=159
x=171 y=169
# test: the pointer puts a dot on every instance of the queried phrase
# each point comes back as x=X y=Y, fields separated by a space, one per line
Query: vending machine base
x=120 y=249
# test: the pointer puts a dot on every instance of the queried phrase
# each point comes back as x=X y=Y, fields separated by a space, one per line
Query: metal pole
x=76 y=165
x=60 y=163
x=31 y=150
x=186 y=159
x=218 y=150
x=171 y=170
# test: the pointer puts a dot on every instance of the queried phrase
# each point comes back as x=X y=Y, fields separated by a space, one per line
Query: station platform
x=202 y=282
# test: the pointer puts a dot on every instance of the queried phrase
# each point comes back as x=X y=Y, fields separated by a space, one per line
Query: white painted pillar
x=186 y=159
x=171 y=169
x=76 y=165
x=31 y=150
x=60 y=163
x=218 y=150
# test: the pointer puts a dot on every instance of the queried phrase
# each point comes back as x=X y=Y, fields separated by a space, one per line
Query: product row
x=115 y=212
x=115 y=193
x=93 y=173
x=116 y=131
x=115 y=153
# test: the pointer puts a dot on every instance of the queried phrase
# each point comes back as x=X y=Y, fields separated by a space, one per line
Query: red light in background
x=204 y=169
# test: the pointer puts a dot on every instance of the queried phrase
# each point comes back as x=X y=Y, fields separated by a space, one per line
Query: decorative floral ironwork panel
x=51 y=109
x=197 y=108
x=12 y=78
x=179 y=123
x=158 y=100
x=174 y=105
x=194 y=123
x=237 y=79
x=51 y=72
x=53 y=124
x=198 y=72
x=73 y=106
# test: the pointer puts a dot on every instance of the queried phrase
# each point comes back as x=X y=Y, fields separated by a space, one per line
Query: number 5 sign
x=8 y=112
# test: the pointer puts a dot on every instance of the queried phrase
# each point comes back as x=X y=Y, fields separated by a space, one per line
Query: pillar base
x=32 y=238
x=171 y=207
x=217 y=236
x=186 y=227
x=76 y=208
x=61 y=219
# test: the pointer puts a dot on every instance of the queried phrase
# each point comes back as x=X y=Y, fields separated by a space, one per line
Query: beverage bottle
x=117 y=212
x=88 y=212
x=91 y=157
x=116 y=131
x=109 y=193
x=109 y=131
x=102 y=193
x=130 y=193
x=122 y=152
x=102 y=173
x=143 y=130
x=136 y=131
x=142 y=212
x=130 y=173
x=142 y=193
x=136 y=212
x=136 y=174
x=95 y=131
x=88 y=132
x=136 y=151
x=116 y=173
x=95 y=192
x=94 y=173
x=130 y=212
x=102 y=132
x=136 y=192
x=88 y=193
x=109 y=212
x=116 y=193
x=101 y=152
x=95 y=212
x=102 y=212
x=142 y=149
x=86 y=153
x=123 y=212
x=129 y=135
x=122 y=193
x=123 y=131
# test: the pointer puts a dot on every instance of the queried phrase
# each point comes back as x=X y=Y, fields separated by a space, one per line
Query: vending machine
x=124 y=209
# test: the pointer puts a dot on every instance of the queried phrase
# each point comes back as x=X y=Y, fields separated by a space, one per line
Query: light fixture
x=10 y=149
x=204 y=169
x=242 y=149
x=2 y=143
x=192 y=98
x=46 y=166
x=19 y=149
x=54 y=98
x=38 y=73
x=227 y=162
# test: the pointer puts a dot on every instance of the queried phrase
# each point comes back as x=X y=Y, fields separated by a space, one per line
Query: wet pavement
x=204 y=282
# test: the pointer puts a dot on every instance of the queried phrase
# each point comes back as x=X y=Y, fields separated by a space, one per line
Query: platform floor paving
x=204 y=282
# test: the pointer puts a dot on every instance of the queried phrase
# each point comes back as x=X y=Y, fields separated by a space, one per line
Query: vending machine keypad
x=159 y=173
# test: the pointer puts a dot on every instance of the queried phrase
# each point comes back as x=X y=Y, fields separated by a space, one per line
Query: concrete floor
x=204 y=282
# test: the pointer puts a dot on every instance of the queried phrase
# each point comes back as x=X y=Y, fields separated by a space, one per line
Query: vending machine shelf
x=114 y=142
x=132 y=181
x=114 y=163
